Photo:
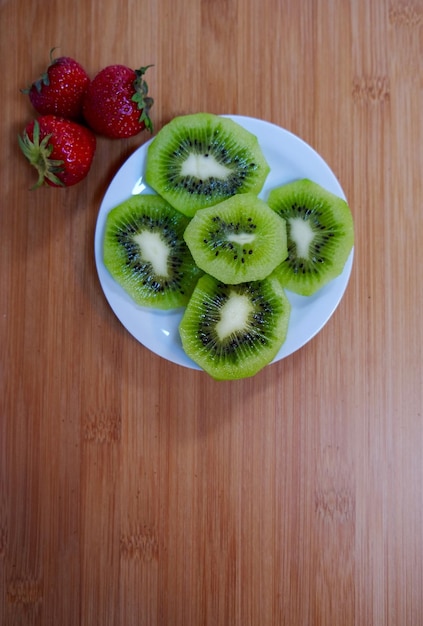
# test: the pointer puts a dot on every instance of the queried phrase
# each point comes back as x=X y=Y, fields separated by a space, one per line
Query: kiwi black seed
x=233 y=331
x=145 y=252
x=198 y=160
x=320 y=235
x=238 y=240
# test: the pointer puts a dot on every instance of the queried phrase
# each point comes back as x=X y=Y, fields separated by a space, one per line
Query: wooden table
x=138 y=492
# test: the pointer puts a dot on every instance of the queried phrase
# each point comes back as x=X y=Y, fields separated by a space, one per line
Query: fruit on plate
x=238 y=240
x=60 y=89
x=320 y=235
x=198 y=160
x=233 y=331
x=145 y=252
x=116 y=103
x=61 y=150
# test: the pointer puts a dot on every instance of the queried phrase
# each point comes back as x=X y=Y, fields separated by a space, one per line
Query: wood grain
x=137 y=492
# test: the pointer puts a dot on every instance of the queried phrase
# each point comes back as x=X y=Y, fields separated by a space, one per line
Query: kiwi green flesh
x=320 y=235
x=199 y=160
x=145 y=252
x=238 y=240
x=233 y=331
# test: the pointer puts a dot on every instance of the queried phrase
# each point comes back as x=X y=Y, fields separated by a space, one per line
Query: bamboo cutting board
x=134 y=491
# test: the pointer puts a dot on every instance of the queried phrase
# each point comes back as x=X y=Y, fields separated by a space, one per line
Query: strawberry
x=59 y=91
x=116 y=104
x=61 y=150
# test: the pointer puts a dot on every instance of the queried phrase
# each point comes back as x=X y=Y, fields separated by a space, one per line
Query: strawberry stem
x=44 y=79
x=143 y=101
x=38 y=154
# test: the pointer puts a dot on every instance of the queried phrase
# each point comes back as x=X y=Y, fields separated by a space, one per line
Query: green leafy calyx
x=143 y=101
x=38 y=154
x=44 y=79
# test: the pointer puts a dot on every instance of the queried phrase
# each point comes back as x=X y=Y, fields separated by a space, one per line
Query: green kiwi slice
x=238 y=240
x=145 y=252
x=320 y=235
x=200 y=159
x=233 y=331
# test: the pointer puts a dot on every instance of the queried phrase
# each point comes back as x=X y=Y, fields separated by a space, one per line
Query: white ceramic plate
x=289 y=158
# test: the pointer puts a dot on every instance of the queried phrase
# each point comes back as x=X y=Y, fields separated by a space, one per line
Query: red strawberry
x=61 y=150
x=116 y=103
x=59 y=91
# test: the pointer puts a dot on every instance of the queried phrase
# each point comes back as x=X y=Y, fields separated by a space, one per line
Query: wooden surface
x=137 y=492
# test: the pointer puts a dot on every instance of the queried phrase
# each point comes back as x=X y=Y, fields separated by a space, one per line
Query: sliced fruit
x=198 y=160
x=238 y=240
x=233 y=331
x=320 y=235
x=145 y=252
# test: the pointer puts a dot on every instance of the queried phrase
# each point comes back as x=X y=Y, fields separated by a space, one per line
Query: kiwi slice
x=233 y=331
x=198 y=160
x=238 y=240
x=145 y=252
x=320 y=235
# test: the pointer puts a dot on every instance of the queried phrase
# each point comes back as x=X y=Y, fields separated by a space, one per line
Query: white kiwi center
x=203 y=167
x=234 y=315
x=302 y=235
x=241 y=238
x=154 y=250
